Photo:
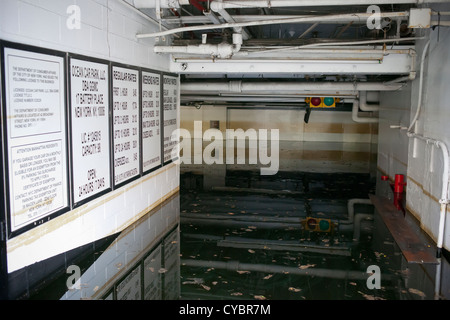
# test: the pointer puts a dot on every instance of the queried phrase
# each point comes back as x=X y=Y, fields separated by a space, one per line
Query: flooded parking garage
x=340 y=194
x=250 y=240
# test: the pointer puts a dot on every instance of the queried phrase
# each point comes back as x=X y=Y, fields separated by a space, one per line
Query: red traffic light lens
x=312 y=223
x=316 y=101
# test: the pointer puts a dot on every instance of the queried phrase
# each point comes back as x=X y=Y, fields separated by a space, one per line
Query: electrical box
x=420 y=18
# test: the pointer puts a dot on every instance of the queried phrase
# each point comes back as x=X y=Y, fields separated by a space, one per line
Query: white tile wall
x=108 y=29
x=44 y=23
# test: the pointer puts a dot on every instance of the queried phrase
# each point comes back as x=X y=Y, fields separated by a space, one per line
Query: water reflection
x=248 y=237
x=140 y=263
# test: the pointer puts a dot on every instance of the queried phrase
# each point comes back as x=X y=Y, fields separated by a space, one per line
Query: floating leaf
x=205 y=287
x=418 y=292
x=306 y=266
x=370 y=297
x=242 y=272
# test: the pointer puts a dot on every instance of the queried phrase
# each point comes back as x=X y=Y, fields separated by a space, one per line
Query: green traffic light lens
x=324 y=225
x=328 y=101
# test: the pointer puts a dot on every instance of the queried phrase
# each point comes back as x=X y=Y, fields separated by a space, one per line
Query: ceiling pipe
x=229 y=18
x=216 y=5
x=361 y=119
x=221 y=51
x=351 y=208
x=284 y=87
x=270 y=268
x=364 y=106
x=419 y=99
x=307 y=19
x=248 y=18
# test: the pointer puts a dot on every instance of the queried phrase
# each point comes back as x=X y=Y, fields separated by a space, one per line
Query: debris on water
x=268 y=277
x=242 y=272
x=193 y=281
x=306 y=266
x=416 y=291
x=259 y=297
x=294 y=289
x=205 y=287
x=370 y=297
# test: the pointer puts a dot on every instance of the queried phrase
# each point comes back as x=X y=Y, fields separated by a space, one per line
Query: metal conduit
x=283 y=87
x=317 y=272
x=274 y=21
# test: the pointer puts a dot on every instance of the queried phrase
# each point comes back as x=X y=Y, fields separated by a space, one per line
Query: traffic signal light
x=322 y=102
x=318 y=224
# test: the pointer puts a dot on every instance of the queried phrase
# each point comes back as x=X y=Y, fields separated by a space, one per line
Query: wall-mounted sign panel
x=170 y=106
x=90 y=128
x=151 y=120
x=130 y=287
x=126 y=124
x=34 y=123
x=152 y=275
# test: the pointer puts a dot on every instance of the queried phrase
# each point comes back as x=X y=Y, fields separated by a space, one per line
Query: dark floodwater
x=245 y=239
x=245 y=236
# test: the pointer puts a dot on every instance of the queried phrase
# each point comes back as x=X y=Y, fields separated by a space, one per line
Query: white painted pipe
x=283 y=87
x=445 y=180
x=357 y=118
x=363 y=103
x=351 y=208
x=419 y=99
x=229 y=18
x=308 y=19
x=221 y=50
x=270 y=268
x=217 y=5
x=357 y=224
x=411 y=76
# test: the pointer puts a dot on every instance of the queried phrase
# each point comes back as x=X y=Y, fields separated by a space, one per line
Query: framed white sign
x=170 y=115
x=90 y=128
x=35 y=135
x=151 y=120
x=126 y=124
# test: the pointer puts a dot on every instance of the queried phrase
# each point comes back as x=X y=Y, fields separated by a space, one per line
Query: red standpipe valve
x=399 y=183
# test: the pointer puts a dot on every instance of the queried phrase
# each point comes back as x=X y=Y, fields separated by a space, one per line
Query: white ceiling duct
x=284 y=87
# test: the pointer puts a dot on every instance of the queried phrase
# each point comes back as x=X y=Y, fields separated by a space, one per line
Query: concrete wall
x=331 y=141
x=107 y=31
x=421 y=163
